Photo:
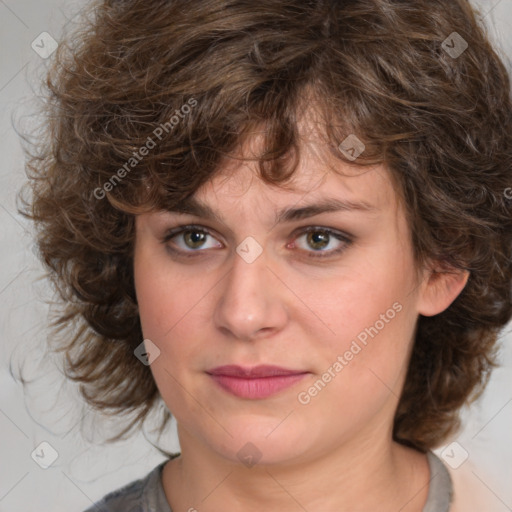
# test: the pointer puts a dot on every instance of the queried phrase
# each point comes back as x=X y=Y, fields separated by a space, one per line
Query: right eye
x=189 y=239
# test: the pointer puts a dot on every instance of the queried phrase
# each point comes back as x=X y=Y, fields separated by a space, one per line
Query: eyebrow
x=192 y=206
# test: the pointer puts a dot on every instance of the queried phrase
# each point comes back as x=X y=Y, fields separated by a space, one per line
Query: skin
x=289 y=309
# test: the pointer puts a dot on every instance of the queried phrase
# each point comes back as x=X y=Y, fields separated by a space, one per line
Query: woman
x=287 y=221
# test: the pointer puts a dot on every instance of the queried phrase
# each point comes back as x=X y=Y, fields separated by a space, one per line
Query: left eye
x=322 y=240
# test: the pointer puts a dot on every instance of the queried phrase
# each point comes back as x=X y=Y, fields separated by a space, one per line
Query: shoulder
x=469 y=494
x=136 y=496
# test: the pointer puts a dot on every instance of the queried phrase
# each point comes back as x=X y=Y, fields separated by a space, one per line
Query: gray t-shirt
x=147 y=494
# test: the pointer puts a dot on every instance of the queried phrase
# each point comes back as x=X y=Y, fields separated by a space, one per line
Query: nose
x=251 y=304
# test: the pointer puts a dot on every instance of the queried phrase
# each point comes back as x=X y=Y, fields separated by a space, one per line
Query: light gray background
x=49 y=409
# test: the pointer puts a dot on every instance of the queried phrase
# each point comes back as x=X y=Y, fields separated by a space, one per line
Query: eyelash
x=312 y=254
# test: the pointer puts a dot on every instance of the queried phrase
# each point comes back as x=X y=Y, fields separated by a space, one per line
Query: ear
x=440 y=288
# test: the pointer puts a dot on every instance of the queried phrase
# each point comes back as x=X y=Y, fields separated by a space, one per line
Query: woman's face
x=250 y=286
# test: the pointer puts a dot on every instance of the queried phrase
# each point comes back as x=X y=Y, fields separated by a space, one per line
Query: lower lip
x=255 y=388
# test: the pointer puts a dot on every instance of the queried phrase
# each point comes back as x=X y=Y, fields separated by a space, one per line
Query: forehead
x=320 y=177
x=321 y=172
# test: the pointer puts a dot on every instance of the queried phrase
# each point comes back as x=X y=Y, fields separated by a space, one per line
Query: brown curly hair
x=384 y=70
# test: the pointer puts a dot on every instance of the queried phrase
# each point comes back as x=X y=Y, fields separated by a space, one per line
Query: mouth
x=255 y=383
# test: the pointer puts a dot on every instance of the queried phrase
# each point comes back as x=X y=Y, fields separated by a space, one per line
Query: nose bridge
x=249 y=303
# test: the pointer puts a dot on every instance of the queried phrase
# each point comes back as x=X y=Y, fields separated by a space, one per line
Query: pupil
x=318 y=237
x=195 y=237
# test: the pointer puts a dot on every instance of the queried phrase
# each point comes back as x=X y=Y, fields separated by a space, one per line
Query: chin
x=253 y=445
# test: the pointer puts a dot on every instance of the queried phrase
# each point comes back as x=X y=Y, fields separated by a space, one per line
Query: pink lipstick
x=257 y=382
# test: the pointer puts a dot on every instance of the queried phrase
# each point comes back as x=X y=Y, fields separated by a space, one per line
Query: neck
x=378 y=474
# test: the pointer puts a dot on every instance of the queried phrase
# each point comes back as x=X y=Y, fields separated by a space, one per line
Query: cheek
x=161 y=294
x=168 y=293
x=353 y=303
x=364 y=364
x=161 y=308
x=153 y=300
x=165 y=308
x=371 y=322
x=172 y=309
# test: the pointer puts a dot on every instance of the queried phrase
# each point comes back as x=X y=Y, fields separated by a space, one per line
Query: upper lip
x=263 y=370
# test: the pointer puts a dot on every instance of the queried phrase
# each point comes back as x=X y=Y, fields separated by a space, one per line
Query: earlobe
x=440 y=289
